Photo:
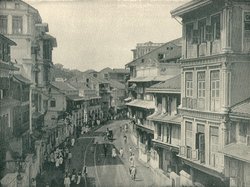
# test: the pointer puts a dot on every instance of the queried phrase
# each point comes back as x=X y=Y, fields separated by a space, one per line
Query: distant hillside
x=64 y=73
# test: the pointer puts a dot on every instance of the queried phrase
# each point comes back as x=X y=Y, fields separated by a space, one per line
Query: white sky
x=94 y=34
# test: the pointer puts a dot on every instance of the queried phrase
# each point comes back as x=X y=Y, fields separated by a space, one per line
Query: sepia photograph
x=124 y=93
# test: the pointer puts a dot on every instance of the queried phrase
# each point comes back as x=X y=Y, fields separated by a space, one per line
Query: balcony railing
x=195 y=155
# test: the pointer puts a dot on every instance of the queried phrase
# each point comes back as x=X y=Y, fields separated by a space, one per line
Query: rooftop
x=241 y=109
x=63 y=86
x=174 y=53
x=116 y=84
x=151 y=78
x=189 y=6
x=171 y=85
x=237 y=151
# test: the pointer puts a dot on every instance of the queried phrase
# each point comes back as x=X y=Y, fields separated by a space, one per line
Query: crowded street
x=110 y=170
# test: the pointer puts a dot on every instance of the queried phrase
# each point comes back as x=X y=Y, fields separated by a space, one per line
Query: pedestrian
x=57 y=162
x=72 y=141
x=130 y=150
x=33 y=182
x=133 y=172
x=113 y=152
x=131 y=160
x=84 y=171
x=121 y=152
x=105 y=149
x=69 y=157
x=125 y=139
x=67 y=180
x=120 y=128
x=73 y=176
x=78 y=177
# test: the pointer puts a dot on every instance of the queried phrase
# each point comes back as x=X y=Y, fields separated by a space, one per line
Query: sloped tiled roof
x=63 y=86
x=22 y=79
x=237 y=151
x=171 y=85
x=120 y=71
x=241 y=109
x=142 y=104
x=151 y=78
x=116 y=84
x=171 y=54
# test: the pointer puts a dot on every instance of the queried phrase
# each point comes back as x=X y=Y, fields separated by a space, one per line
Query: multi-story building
x=215 y=69
x=167 y=125
x=156 y=66
x=33 y=53
x=120 y=75
x=90 y=108
x=237 y=149
x=144 y=48
x=15 y=128
x=100 y=86
x=118 y=94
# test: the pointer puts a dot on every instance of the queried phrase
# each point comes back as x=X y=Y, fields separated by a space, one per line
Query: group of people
x=74 y=177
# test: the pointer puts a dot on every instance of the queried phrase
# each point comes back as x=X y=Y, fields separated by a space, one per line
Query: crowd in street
x=61 y=158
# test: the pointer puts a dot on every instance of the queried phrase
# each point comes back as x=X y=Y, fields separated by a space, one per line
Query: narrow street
x=108 y=171
x=102 y=171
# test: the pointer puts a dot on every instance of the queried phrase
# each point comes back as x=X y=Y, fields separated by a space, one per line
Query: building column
x=25 y=24
x=226 y=31
x=163 y=105
x=225 y=87
x=9 y=31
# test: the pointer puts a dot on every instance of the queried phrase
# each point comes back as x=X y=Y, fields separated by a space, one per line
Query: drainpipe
x=30 y=109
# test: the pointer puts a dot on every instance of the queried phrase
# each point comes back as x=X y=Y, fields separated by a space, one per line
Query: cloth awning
x=36 y=115
x=145 y=128
x=76 y=98
x=142 y=104
x=8 y=102
x=165 y=118
x=165 y=145
x=128 y=99
x=237 y=151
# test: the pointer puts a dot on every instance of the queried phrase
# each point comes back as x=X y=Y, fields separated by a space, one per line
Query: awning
x=165 y=145
x=151 y=78
x=8 y=102
x=22 y=79
x=142 y=104
x=128 y=99
x=144 y=128
x=165 y=118
x=237 y=151
x=76 y=98
x=36 y=115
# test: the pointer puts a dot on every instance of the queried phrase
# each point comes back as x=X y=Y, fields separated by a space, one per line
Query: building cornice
x=206 y=115
x=188 y=7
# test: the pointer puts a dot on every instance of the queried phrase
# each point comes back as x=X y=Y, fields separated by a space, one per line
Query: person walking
x=105 y=149
x=130 y=150
x=113 y=152
x=78 y=177
x=72 y=141
x=121 y=152
x=125 y=139
x=69 y=157
x=67 y=180
x=133 y=172
x=84 y=171
x=73 y=176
